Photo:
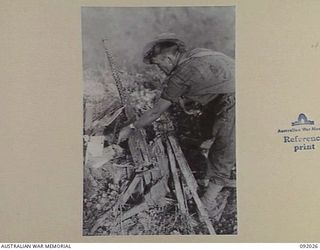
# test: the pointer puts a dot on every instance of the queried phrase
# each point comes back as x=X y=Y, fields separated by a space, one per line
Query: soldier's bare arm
x=153 y=114
x=147 y=118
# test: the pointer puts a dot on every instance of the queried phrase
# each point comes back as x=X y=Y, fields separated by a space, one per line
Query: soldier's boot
x=210 y=201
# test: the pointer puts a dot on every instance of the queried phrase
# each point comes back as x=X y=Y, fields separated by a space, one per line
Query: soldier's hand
x=124 y=134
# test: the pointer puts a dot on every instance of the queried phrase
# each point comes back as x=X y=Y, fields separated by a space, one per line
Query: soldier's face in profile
x=164 y=62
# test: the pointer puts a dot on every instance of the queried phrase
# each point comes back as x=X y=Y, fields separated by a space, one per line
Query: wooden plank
x=160 y=161
x=135 y=210
x=160 y=158
x=136 y=156
x=154 y=197
x=88 y=114
x=107 y=119
x=105 y=109
x=176 y=180
x=125 y=197
x=191 y=182
x=121 y=201
x=186 y=170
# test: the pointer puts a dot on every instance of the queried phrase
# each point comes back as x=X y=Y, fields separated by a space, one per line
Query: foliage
x=129 y=29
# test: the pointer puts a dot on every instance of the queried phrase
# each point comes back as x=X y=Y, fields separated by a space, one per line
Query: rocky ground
x=162 y=220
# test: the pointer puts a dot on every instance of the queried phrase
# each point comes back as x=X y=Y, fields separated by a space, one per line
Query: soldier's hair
x=165 y=47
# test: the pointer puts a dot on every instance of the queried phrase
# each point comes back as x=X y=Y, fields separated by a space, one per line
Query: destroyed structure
x=145 y=186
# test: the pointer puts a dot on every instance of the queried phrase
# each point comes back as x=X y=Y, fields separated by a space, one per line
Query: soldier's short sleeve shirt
x=200 y=76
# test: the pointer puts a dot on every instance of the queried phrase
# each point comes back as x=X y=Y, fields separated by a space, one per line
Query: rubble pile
x=109 y=170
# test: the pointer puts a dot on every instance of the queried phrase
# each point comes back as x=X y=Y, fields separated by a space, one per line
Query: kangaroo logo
x=302 y=120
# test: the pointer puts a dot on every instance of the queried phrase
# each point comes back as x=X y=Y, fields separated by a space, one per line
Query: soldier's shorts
x=221 y=157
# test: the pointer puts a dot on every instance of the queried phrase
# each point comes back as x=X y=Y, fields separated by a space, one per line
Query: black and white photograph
x=159 y=147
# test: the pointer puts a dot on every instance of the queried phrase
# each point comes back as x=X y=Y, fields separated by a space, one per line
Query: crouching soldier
x=205 y=77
